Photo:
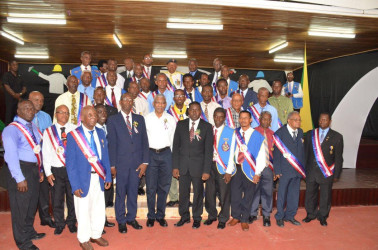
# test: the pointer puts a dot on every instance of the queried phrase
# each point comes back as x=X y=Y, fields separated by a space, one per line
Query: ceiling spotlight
x=116 y=39
x=289 y=59
x=31 y=56
x=13 y=38
x=195 y=26
x=331 y=34
x=278 y=47
x=170 y=56
x=36 y=20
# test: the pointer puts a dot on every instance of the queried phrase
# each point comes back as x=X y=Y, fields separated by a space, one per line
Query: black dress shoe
x=134 y=224
x=172 y=203
x=181 y=222
x=196 y=224
x=294 y=222
x=266 y=221
x=122 y=228
x=251 y=219
x=141 y=191
x=49 y=223
x=109 y=224
x=208 y=222
x=38 y=236
x=323 y=222
x=307 y=219
x=72 y=228
x=58 y=230
x=32 y=247
x=110 y=204
x=280 y=223
x=221 y=225
x=150 y=222
x=162 y=222
x=190 y=204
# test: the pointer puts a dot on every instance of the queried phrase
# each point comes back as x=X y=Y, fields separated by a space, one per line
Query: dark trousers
x=242 y=191
x=263 y=192
x=158 y=182
x=288 y=193
x=44 y=200
x=60 y=190
x=142 y=182
x=215 y=184
x=127 y=185
x=184 y=196
x=24 y=205
x=109 y=195
x=316 y=181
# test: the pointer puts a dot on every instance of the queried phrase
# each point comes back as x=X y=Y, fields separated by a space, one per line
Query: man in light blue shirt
x=262 y=105
x=161 y=82
x=85 y=87
x=41 y=119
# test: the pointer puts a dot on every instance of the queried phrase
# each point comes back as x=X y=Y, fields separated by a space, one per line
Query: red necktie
x=63 y=136
x=191 y=132
x=242 y=92
x=241 y=154
x=114 y=99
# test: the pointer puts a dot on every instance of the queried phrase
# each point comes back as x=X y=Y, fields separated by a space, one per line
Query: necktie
x=93 y=144
x=114 y=99
x=190 y=96
x=134 y=107
x=128 y=124
x=294 y=135
x=206 y=112
x=215 y=138
x=86 y=68
x=266 y=149
x=241 y=154
x=104 y=128
x=85 y=90
x=221 y=103
x=128 y=74
x=322 y=137
x=73 y=110
x=30 y=127
x=63 y=136
x=171 y=79
x=191 y=132
x=148 y=73
x=242 y=93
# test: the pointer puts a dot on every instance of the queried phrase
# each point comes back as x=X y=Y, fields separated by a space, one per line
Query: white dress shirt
x=103 y=127
x=260 y=160
x=130 y=118
x=160 y=131
x=292 y=130
x=66 y=99
x=85 y=68
x=95 y=136
x=216 y=76
x=117 y=94
x=119 y=83
x=141 y=106
x=50 y=157
x=148 y=71
x=211 y=106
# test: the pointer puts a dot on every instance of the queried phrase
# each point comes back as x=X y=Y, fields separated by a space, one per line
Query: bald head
x=62 y=114
x=37 y=99
x=237 y=102
x=88 y=117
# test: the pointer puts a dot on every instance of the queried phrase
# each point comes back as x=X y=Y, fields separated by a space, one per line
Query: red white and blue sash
x=82 y=103
x=35 y=146
x=319 y=157
x=243 y=148
x=217 y=157
x=145 y=73
x=279 y=123
x=173 y=113
x=294 y=162
x=57 y=144
x=102 y=81
x=229 y=119
x=203 y=116
x=255 y=114
x=142 y=96
x=170 y=86
x=107 y=101
x=155 y=93
x=93 y=160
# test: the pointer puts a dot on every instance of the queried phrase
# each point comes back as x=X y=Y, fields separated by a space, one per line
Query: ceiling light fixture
x=13 y=38
x=36 y=20
x=195 y=26
x=331 y=34
x=31 y=56
x=116 y=39
x=170 y=56
x=289 y=59
x=278 y=47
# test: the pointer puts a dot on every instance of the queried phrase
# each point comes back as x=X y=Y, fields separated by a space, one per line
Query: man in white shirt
x=140 y=105
x=112 y=66
x=73 y=99
x=249 y=156
x=160 y=130
x=207 y=105
x=113 y=92
x=54 y=164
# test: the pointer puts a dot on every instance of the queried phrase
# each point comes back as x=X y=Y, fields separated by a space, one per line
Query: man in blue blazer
x=86 y=58
x=288 y=160
x=88 y=169
x=249 y=96
x=129 y=157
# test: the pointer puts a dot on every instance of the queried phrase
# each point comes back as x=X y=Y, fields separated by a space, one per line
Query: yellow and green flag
x=306 y=109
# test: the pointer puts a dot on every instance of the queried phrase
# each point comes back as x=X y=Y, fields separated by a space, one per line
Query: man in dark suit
x=129 y=157
x=192 y=158
x=288 y=159
x=323 y=169
x=99 y=98
x=150 y=72
x=249 y=96
x=213 y=77
x=193 y=70
x=88 y=170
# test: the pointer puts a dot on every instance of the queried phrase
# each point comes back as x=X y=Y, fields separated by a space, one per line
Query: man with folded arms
x=54 y=164
x=88 y=169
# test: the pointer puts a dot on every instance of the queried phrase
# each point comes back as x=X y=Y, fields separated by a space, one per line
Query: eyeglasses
x=63 y=113
x=179 y=96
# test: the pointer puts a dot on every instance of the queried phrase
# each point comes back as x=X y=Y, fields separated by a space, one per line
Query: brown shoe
x=244 y=226
x=86 y=246
x=100 y=241
x=233 y=222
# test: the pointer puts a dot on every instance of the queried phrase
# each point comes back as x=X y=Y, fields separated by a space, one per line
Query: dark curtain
x=3 y=69
x=329 y=82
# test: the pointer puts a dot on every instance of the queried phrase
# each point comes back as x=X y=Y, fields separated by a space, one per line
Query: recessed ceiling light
x=289 y=59
x=331 y=34
x=116 y=39
x=195 y=26
x=31 y=56
x=170 y=56
x=13 y=38
x=36 y=20
x=278 y=47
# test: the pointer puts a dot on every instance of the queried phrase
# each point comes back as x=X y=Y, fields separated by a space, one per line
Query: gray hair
x=159 y=96
x=262 y=89
x=265 y=113
x=291 y=114
x=85 y=52
x=193 y=60
x=217 y=59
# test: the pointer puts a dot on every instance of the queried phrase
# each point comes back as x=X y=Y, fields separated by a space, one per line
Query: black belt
x=159 y=150
x=29 y=163
x=238 y=165
x=93 y=172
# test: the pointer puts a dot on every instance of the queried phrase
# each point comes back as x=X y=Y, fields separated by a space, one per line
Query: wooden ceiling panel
x=244 y=43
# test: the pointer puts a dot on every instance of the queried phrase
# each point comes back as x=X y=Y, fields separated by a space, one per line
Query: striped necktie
x=73 y=110
x=128 y=124
x=191 y=132
x=241 y=154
